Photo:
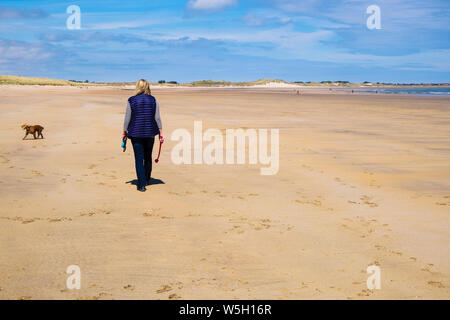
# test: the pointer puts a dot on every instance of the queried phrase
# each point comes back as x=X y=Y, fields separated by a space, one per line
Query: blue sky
x=236 y=40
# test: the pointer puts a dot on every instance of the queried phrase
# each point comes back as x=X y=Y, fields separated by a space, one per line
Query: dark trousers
x=143 y=148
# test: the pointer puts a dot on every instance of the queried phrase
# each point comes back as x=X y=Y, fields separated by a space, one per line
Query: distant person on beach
x=142 y=123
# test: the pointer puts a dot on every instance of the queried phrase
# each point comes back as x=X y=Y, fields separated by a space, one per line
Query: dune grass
x=211 y=83
x=19 y=80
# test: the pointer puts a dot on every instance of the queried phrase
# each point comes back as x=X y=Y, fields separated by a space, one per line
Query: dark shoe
x=143 y=189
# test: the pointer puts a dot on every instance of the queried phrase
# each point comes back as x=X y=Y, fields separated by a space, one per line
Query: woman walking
x=142 y=123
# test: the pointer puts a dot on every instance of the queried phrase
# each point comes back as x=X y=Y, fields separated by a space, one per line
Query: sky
x=233 y=40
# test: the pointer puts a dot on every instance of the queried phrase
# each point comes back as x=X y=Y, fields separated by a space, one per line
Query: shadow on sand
x=153 y=181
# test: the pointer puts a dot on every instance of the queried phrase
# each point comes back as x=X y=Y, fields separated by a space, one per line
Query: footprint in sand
x=262 y=224
x=362 y=227
x=444 y=201
x=59 y=219
x=20 y=219
x=365 y=293
x=397 y=253
x=3 y=159
x=153 y=213
x=242 y=224
x=192 y=215
x=91 y=213
x=129 y=287
x=97 y=297
x=164 y=288
x=367 y=201
x=437 y=284
x=174 y=296
x=37 y=173
x=428 y=267
x=150 y=214
x=305 y=285
x=316 y=203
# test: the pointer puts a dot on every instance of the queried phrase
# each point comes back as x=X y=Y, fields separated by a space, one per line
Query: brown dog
x=37 y=129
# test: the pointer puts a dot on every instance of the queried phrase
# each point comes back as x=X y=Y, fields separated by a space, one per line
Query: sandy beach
x=364 y=180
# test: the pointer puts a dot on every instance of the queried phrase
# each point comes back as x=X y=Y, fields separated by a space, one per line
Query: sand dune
x=363 y=180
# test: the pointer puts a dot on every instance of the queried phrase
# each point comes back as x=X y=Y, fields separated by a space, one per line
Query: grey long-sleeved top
x=128 y=117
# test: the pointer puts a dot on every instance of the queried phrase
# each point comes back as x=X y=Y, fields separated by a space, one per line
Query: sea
x=414 y=91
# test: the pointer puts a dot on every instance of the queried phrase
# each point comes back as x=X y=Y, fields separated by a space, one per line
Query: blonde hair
x=142 y=86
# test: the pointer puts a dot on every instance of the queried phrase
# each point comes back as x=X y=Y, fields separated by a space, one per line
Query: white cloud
x=17 y=50
x=7 y=13
x=291 y=44
x=296 y=5
x=210 y=5
x=396 y=14
x=18 y=57
x=262 y=19
x=130 y=24
x=432 y=60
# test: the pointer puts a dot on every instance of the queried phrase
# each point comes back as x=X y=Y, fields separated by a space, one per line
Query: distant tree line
x=324 y=82
x=78 y=81
x=164 y=81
